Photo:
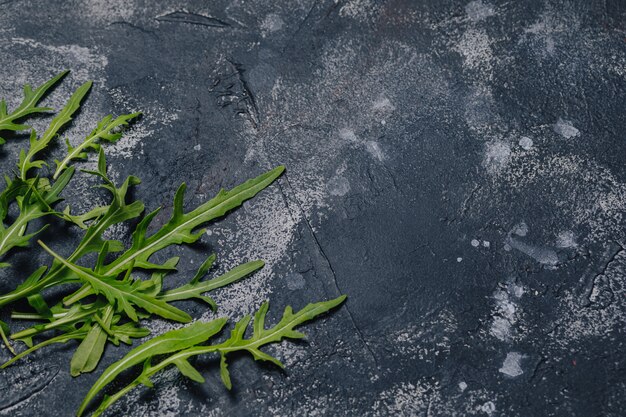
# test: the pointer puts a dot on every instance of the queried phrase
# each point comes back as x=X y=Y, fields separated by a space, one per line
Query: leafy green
x=107 y=270
x=33 y=196
x=82 y=316
x=33 y=204
x=66 y=337
x=4 y=330
x=108 y=129
x=88 y=353
x=196 y=288
x=27 y=107
x=182 y=350
x=65 y=116
x=123 y=294
x=181 y=226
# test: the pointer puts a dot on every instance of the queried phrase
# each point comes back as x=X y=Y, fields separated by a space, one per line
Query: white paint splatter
x=512 y=365
x=107 y=11
x=348 y=134
x=551 y=27
x=403 y=399
x=504 y=316
x=295 y=281
x=271 y=23
x=489 y=408
x=526 y=143
x=475 y=48
x=520 y=229
x=154 y=117
x=338 y=186
x=374 y=149
x=85 y=62
x=477 y=10
x=383 y=104
x=566 y=239
x=566 y=129
x=542 y=254
x=497 y=156
x=361 y=10
x=515 y=290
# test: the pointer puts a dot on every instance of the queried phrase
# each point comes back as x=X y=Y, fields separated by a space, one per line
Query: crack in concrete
x=612 y=254
x=332 y=270
x=25 y=397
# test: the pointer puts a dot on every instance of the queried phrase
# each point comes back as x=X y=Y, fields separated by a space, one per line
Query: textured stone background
x=456 y=167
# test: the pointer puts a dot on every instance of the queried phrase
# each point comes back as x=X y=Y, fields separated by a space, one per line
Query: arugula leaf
x=27 y=107
x=33 y=204
x=66 y=337
x=108 y=130
x=34 y=196
x=125 y=332
x=120 y=300
x=123 y=294
x=179 y=229
x=4 y=330
x=90 y=350
x=88 y=353
x=118 y=211
x=171 y=341
x=64 y=116
x=195 y=288
x=182 y=352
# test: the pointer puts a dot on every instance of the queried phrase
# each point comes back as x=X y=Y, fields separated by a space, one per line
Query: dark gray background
x=456 y=168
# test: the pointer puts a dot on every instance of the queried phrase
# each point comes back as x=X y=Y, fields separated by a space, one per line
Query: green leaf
x=172 y=341
x=65 y=320
x=28 y=105
x=154 y=285
x=118 y=211
x=179 y=229
x=126 y=332
x=88 y=354
x=34 y=203
x=204 y=268
x=76 y=334
x=37 y=302
x=123 y=294
x=65 y=115
x=224 y=374
x=108 y=130
x=4 y=330
x=196 y=288
x=236 y=342
x=189 y=371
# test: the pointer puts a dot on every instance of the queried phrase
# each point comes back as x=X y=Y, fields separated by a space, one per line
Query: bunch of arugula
x=110 y=300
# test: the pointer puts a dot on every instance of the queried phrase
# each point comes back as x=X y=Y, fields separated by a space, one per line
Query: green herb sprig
x=184 y=344
x=112 y=300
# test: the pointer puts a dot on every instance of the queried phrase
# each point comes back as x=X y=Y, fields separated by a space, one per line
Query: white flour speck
x=477 y=10
x=512 y=365
x=526 y=143
x=566 y=129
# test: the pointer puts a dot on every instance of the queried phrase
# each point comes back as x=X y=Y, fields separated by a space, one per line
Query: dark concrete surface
x=456 y=168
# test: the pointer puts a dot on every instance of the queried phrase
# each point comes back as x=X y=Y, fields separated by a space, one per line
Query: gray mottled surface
x=456 y=168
